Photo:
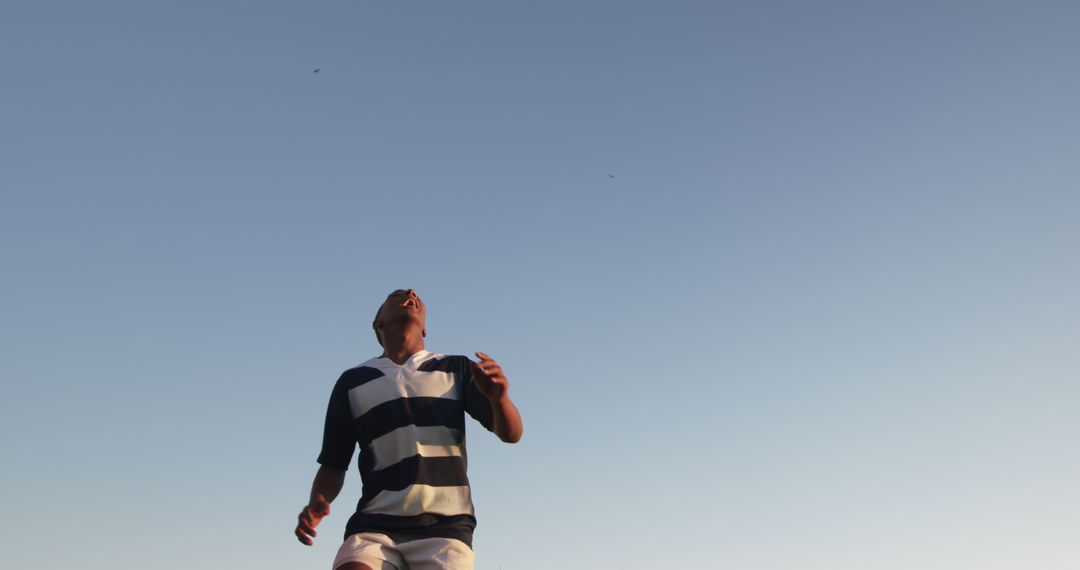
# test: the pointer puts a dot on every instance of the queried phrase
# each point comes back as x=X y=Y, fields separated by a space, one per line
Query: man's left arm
x=492 y=383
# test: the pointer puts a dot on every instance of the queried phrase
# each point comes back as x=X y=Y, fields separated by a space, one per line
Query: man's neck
x=400 y=347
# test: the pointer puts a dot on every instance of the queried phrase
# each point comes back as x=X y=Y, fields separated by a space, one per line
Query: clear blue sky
x=824 y=316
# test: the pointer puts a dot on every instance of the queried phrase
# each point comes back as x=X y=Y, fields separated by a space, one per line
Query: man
x=406 y=410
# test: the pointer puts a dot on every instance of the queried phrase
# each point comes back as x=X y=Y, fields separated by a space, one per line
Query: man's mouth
x=410 y=303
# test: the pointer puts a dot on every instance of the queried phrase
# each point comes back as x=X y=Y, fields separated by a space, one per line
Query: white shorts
x=382 y=553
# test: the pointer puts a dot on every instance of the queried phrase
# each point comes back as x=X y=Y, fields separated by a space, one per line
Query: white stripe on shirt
x=419 y=499
x=426 y=441
x=418 y=384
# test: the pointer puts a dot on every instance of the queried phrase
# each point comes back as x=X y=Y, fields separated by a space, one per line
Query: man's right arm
x=324 y=489
x=338 y=446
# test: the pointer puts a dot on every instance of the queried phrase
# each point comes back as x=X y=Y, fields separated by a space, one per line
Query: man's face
x=401 y=304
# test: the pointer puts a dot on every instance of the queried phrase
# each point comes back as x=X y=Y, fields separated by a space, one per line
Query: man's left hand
x=489 y=378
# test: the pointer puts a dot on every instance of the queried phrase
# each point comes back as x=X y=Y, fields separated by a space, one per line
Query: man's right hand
x=309 y=519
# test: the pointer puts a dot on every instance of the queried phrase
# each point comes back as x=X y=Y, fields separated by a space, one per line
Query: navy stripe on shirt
x=434 y=471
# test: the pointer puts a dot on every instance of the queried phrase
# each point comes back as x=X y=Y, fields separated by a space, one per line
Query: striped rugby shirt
x=409 y=422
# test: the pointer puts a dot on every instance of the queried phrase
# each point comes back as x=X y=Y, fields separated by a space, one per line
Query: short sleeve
x=338 y=439
x=476 y=404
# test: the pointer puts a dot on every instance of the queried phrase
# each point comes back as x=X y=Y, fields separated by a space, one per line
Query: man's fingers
x=303 y=539
x=309 y=529
x=488 y=364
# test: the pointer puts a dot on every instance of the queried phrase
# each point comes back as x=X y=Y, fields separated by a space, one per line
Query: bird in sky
x=612 y=176
x=316 y=70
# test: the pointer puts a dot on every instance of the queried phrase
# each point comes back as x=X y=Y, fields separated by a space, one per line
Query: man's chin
x=407 y=317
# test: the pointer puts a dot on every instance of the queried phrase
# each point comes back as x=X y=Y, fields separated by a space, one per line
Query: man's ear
x=423 y=332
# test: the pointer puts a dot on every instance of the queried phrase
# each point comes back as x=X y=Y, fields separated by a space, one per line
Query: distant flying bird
x=316 y=70
x=611 y=176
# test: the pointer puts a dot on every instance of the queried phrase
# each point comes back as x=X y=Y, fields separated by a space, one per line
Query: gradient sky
x=823 y=317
